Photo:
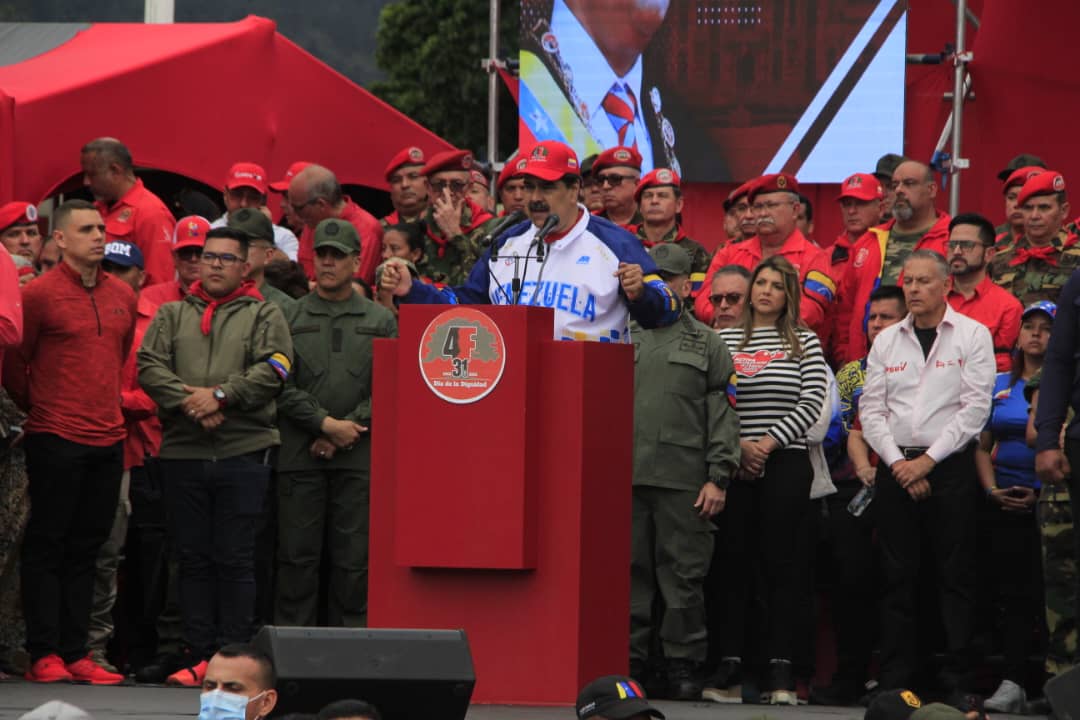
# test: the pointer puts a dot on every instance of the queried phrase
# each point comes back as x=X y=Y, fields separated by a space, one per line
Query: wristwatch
x=219 y=395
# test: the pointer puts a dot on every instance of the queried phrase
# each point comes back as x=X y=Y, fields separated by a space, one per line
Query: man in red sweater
x=78 y=328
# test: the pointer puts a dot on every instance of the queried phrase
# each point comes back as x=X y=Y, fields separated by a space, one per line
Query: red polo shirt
x=997 y=309
x=140 y=412
x=370 y=231
x=141 y=218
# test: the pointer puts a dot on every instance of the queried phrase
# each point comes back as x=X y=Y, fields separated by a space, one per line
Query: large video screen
x=720 y=91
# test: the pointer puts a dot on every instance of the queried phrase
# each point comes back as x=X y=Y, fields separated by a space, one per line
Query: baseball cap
x=57 y=710
x=190 y=231
x=121 y=252
x=887 y=164
x=339 y=234
x=246 y=174
x=253 y=222
x=893 y=705
x=657 y=178
x=1021 y=176
x=1043 y=306
x=550 y=160
x=1047 y=183
x=282 y=185
x=1021 y=160
x=778 y=182
x=614 y=696
x=861 y=186
x=618 y=156
x=670 y=259
x=406 y=156
x=17 y=213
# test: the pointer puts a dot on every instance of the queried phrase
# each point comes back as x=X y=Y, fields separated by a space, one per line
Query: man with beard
x=973 y=293
x=883 y=171
x=408 y=188
x=878 y=259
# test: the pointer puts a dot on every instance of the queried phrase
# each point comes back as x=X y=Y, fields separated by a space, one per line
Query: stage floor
x=161 y=703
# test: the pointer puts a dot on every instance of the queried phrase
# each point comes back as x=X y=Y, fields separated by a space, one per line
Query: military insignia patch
x=331 y=229
x=622 y=155
x=549 y=42
x=860 y=257
x=1059 y=184
x=31 y=213
x=781 y=182
x=125 y=216
x=416 y=154
x=467 y=162
x=654 y=97
x=664 y=176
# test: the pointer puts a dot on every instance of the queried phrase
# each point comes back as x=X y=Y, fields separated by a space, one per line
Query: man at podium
x=594 y=274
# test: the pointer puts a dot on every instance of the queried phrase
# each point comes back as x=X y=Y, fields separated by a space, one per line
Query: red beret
x=480 y=178
x=406 y=156
x=448 y=160
x=657 y=178
x=17 y=213
x=861 y=186
x=1020 y=176
x=510 y=170
x=741 y=191
x=618 y=156
x=550 y=160
x=245 y=174
x=294 y=170
x=1045 y=183
x=780 y=182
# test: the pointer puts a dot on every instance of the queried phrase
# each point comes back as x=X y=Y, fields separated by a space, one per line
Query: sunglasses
x=964 y=245
x=729 y=298
x=613 y=179
x=189 y=254
x=456 y=186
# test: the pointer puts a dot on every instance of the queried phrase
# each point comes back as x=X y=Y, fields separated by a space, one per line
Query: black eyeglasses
x=226 y=259
x=729 y=298
x=456 y=186
x=613 y=179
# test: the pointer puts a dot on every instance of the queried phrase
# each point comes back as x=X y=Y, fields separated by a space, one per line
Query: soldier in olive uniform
x=324 y=415
x=686 y=449
x=1037 y=265
x=260 y=232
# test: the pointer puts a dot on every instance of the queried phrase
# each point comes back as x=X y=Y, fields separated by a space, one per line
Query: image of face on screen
x=718 y=91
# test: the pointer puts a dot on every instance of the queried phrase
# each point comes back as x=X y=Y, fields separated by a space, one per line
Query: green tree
x=430 y=52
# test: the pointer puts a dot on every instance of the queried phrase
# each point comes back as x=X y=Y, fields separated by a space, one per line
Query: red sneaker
x=190 y=676
x=48 y=669
x=86 y=670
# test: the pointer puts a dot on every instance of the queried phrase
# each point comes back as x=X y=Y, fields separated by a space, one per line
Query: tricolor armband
x=280 y=363
x=821 y=285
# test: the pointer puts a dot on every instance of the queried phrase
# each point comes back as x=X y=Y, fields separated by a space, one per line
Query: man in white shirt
x=245 y=187
x=929 y=381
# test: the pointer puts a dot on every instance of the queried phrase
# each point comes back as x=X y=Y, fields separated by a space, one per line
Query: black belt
x=910 y=453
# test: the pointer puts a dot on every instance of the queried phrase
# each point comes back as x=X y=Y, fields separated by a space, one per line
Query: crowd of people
x=187 y=403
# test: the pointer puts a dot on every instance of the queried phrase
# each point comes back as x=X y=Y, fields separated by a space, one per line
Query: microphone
x=543 y=232
x=489 y=238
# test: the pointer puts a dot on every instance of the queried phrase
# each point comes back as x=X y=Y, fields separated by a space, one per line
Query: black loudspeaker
x=1063 y=692
x=406 y=674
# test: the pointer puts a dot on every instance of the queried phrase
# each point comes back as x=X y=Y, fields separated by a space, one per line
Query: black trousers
x=1017 y=583
x=74 y=489
x=145 y=561
x=944 y=523
x=1072 y=452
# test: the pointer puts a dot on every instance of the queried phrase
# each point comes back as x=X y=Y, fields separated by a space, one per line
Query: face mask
x=221 y=705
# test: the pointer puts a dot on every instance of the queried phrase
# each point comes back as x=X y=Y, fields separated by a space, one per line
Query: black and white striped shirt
x=776 y=395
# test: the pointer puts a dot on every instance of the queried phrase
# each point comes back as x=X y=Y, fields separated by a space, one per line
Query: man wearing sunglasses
x=188 y=238
x=214 y=363
x=408 y=187
x=616 y=172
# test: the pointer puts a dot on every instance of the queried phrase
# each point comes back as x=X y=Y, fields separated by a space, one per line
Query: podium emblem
x=462 y=355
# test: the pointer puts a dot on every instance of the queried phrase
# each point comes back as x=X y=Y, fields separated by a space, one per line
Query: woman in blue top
x=1006 y=467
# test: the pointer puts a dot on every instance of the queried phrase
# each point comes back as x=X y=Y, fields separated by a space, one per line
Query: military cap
x=618 y=156
x=887 y=164
x=253 y=222
x=510 y=170
x=190 y=231
x=893 y=705
x=17 y=213
x=778 y=182
x=1021 y=160
x=338 y=234
x=670 y=259
x=1021 y=176
x=411 y=155
x=1047 y=183
x=448 y=160
x=657 y=178
x=588 y=163
x=861 y=186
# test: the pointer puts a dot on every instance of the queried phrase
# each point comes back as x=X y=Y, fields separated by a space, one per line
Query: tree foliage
x=430 y=53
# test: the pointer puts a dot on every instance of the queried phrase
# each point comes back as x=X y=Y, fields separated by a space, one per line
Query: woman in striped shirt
x=781 y=389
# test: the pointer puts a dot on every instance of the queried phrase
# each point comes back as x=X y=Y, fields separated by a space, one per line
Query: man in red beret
x=315 y=195
x=246 y=187
x=132 y=213
x=878 y=259
x=408 y=188
x=1013 y=227
x=480 y=190
x=659 y=199
x=774 y=201
x=19 y=233
x=453 y=222
x=510 y=186
x=1036 y=265
x=617 y=171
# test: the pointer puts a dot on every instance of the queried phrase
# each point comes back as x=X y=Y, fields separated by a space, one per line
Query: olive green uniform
x=320 y=498
x=686 y=433
x=272 y=294
x=1036 y=278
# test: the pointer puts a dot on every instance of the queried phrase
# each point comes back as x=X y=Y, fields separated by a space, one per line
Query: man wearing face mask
x=239 y=685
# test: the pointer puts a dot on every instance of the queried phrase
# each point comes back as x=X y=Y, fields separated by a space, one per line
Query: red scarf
x=246 y=289
x=1045 y=253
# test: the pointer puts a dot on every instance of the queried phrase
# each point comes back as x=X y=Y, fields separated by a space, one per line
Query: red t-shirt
x=141 y=218
x=370 y=231
x=67 y=371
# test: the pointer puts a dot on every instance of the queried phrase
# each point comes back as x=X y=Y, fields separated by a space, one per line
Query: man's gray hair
x=934 y=256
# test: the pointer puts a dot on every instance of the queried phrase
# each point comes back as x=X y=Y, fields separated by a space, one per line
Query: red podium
x=500 y=495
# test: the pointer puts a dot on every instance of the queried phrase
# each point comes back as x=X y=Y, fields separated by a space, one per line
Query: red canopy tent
x=191 y=99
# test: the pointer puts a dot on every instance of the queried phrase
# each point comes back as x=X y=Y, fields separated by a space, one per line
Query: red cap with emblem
x=779 y=182
x=1045 y=183
x=448 y=160
x=245 y=174
x=618 y=156
x=1021 y=176
x=657 y=178
x=17 y=213
x=480 y=178
x=294 y=169
x=861 y=186
x=550 y=160
x=190 y=231
x=406 y=156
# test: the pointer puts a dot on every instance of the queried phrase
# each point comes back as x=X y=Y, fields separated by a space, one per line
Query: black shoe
x=684 y=679
x=839 y=694
x=781 y=683
x=725 y=685
x=161 y=668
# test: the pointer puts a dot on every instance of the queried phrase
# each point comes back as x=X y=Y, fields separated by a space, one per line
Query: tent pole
x=159 y=12
x=960 y=69
x=493 y=87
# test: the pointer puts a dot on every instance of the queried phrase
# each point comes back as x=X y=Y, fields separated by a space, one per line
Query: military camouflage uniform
x=14 y=511
x=699 y=256
x=638 y=218
x=898 y=248
x=1036 y=279
x=451 y=264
